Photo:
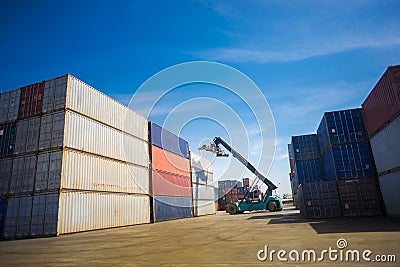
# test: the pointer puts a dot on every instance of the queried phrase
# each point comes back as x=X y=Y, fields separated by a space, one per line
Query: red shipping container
x=166 y=184
x=166 y=161
x=31 y=100
x=382 y=105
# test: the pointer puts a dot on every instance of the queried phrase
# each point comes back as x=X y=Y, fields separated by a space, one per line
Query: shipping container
x=390 y=188
x=291 y=151
x=201 y=163
x=71 y=169
x=305 y=147
x=88 y=135
x=169 y=208
x=308 y=171
x=339 y=127
x=164 y=160
x=202 y=177
x=83 y=211
x=382 y=105
x=52 y=130
x=44 y=215
x=360 y=197
x=18 y=217
x=5 y=175
x=348 y=161
x=9 y=105
x=27 y=135
x=23 y=174
x=247 y=182
x=203 y=192
x=71 y=93
x=3 y=210
x=31 y=101
x=7 y=139
x=385 y=146
x=166 y=140
x=168 y=184
x=203 y=207
x=319 y=200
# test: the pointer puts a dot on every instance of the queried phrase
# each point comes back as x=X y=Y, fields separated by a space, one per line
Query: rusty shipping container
x=382 y=104
x=31 y=101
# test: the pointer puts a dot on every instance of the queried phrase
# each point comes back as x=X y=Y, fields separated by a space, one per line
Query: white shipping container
x=88 y=172
x=5 y=175
x=200 y=162
x=52 y=130
x=27 y=136
x=48 y=171
x=18 y=217
x=88 y=135
x=23 y=174
x=386 y=147
x=203 y=207
x=390 y=188
x=203 y=192
x=83 y=211
x=71 y=93
x=201 y=177
x=44 y=215
x=9 y=105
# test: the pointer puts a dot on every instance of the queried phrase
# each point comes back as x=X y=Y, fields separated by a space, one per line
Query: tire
x=231 y=209
x=272 y=206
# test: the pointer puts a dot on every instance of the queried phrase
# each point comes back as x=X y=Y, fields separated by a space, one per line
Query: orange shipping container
x=169 y=162
x=166 y=184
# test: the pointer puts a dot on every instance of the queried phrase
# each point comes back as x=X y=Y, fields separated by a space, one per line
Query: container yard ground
x=219 y=240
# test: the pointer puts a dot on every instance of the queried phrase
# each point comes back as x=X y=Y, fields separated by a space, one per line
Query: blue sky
x=306 y=57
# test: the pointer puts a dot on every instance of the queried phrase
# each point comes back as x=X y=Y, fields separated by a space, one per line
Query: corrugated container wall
x=360 y=197
x=385 y=146
x=319 y=200
x=169 y=208
x=7 y=139
x=308 y=171
x=164 y=139
x=169 y=162
x=168 y=184
x=5 y=175
x=348 y=161
x=383 y=103
x=31 y=101
x=390 y=186
x=339 y=127
x=305 y=147
x=3 y=210
x=9 y=105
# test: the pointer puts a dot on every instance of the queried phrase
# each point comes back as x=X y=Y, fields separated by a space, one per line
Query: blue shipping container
x=338 y=127
x=7 y=139
x=308 y=171
x=3 y=207
x=295 y=184
x=166 y=140
x=319 y=200
x=169 y=208
x=305 y=147
x=348 y=161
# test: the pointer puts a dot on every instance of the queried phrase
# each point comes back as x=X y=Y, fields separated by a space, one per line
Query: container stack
x=347 y=160
x=202 y=185
x=294 y=182
x=170 y=175
x=227 y=192
x=314 y=197
x=68 y=165
x=382 y=116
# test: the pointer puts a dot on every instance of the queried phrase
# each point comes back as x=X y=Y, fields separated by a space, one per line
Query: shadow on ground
x=334 y=225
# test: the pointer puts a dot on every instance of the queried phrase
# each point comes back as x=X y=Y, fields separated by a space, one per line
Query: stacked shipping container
x=226 y=194
x=382 y=116
x=202 y=185
x=170 y=175
x=347 y=159
x=67 y=165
